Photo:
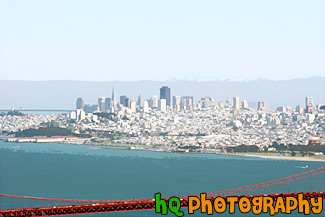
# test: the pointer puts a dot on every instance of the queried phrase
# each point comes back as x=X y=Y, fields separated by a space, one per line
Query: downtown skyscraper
x=165 y=94
x=80 y=103
x=114 y=102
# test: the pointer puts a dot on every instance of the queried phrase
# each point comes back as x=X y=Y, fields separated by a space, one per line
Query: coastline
x=277 y=157
x=274 y=156
x=250 y=154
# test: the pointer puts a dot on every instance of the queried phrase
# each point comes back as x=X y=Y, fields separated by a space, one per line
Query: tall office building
x=154 y=101
x=309 y=100
x=145 y=106
x=150 y=103
x=108 y=103
x=101 y=104
x=114 y=102
x=244 y=104
x=80 y=103
x=91 y=108
x=236 y=103
x=162 y=105
x=309 y=104
x=183 y=104
x=263 y=106
x=80 y=114
x=128 y=102
x=140 y=101
x=165 y=94
x=132 y=106
x=122 y=100
x=206 y=102
x=72 y=115
x=176 y=101
x=187 y=102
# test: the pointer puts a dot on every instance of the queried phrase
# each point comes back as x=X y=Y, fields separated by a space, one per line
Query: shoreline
x=276 y=157
x=249 y=154
x=265 y=156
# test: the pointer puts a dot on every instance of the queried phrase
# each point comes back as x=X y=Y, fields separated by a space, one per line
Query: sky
x=103 y=40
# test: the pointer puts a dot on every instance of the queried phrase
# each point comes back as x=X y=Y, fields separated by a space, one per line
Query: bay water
x=73 y=171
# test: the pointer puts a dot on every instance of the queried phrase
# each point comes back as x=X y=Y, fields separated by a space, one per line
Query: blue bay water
x=85 y=172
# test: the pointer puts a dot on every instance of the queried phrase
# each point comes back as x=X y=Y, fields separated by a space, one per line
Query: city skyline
x=62 y=94
x=178 y=103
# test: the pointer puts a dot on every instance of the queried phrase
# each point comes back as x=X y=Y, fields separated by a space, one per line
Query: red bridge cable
x=290 y=180
x=209 y=193
x=259 y=183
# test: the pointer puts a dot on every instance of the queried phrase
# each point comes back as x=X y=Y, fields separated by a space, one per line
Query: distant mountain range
x=62 y=94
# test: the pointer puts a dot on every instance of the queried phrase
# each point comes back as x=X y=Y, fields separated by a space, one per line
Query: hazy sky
x=161 y=40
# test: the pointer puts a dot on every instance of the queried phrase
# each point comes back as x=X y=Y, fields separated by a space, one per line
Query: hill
x=46 y=131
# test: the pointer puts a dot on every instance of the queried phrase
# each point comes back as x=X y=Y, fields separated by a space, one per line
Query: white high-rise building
x=162 y=105
x=101 y=104
x=145 y=106
x=80 y=114
x=72 y=115
x=133 y=106
x=154 y=101
x=236 y=103
x=244 y=104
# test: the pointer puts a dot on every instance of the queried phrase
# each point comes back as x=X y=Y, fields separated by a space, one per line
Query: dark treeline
x=48 y=131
